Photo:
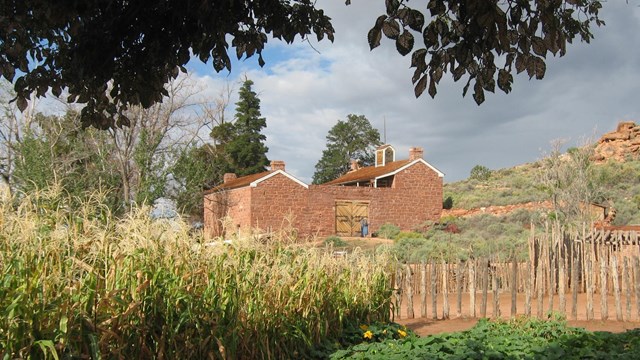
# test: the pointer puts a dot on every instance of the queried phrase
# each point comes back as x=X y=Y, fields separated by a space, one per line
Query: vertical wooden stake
x=460 y=282
x=485 y=287
x=627 y=287
x=409 y=286
x=472 y=288
x=590 y=287
x=636 y=272
x=423 y=289
x=496 y=292
x=445 y=290
x=527 y=289
x=616 y=287
x=540 y=288
x=398 y=291
x=604 y=306
x=514 y=287
x=434 y=294
x=574 y=287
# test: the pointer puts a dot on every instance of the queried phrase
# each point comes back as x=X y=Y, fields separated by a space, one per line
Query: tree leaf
x=521 y=62
x=432 y=88
x=391 y=29
x=21 y=102
x=392 y=6
x=373 y=37
x=505 y=79
x=418 y=59
x=478 y=92
x=539 y=46
x=404 y=44
x=540 y=68
x=417 y=22
x=421 y=86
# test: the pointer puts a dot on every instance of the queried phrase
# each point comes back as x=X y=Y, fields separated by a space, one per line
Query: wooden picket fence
x=576 y=276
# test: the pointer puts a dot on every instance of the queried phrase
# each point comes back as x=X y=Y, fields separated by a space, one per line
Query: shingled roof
x=239 y=182
x=369 y=173
x=252 y=180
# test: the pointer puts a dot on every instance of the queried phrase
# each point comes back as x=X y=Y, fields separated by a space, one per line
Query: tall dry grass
x=78 y=283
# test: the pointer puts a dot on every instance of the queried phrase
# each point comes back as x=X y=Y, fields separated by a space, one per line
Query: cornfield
x=78 y=283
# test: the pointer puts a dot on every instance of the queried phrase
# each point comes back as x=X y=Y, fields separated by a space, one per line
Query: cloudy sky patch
x=305 y=89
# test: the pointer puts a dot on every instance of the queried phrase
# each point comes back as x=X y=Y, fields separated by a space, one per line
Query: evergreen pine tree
x=247 y=150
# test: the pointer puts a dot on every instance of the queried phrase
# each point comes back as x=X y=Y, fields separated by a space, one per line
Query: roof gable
x=253 y=180
x=274 y=173
x=373 y=172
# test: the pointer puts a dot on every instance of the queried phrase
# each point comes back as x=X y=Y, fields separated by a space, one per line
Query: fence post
x=423 y=289
x=636 y=272
x=398 y=291
x=540 y=286
x=574 y=283
x=409 y=282
x=445 y=290
x=527 y=288
x=496 y=292
x=485 y=287
x=616 y=287
x=472 y=288
x=604 y=306
x=627 y=287
x=590 y=287
x=562 y=279
x=514 y=287
x=459 y=280
x=434 y=294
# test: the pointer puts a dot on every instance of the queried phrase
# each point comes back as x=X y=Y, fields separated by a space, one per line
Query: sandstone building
x=405 y=193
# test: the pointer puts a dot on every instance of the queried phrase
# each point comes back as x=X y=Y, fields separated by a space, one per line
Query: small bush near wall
x=335 y=241
x=388 y=231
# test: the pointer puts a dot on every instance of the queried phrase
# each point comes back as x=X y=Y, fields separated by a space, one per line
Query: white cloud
x=304 y=93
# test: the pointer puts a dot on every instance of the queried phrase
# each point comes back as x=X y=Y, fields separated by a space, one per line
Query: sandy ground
x=463 y=321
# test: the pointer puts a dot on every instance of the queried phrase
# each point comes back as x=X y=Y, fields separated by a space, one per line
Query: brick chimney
x=354 y=165
x=277 y=165
x=415 y=153
x=228 y=177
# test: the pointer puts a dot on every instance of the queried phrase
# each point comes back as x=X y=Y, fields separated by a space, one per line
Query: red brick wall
x=227 y=211
x=276 y=201
x=415 y=197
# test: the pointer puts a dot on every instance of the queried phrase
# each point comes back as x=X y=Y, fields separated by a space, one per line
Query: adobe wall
x=276 y=201
x=232 y=204
x=416 y=196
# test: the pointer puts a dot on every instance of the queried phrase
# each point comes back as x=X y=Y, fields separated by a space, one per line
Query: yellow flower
x=402 y=333
x=364 y=327
x=368 y=335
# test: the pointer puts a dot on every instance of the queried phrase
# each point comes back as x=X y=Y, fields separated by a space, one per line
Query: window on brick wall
x=385 y=182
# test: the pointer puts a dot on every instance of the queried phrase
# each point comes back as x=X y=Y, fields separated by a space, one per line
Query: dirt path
x=428 y=326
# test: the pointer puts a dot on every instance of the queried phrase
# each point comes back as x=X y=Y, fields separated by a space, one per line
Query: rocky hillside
x=619 y=145
x=512 y=189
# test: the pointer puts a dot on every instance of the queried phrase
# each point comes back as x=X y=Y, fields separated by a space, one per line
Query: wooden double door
x=349 y=213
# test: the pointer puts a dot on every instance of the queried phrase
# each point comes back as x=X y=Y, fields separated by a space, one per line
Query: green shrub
x=447 y=204
x=388 y=231
x=335 y=241
x=480 y=173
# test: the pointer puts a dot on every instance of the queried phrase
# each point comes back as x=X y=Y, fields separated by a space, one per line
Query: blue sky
x=304 y=92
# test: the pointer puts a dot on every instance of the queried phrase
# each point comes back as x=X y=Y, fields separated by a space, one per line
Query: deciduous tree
x=483 y=42
x=110 y=55
x=353 y=139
